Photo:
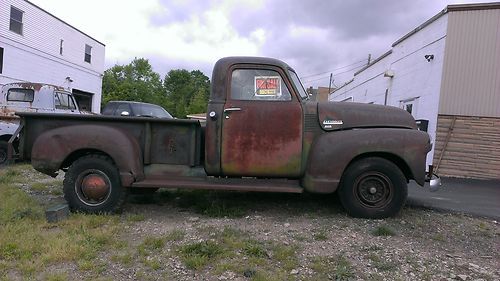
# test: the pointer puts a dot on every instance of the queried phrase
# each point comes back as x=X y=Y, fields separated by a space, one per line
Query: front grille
x=311 y=123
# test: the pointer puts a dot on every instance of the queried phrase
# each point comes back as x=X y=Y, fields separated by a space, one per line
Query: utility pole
x=369 y=59
x=330 y=85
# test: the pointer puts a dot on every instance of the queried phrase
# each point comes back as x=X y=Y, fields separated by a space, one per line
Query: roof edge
x=472 y=7
x=449 y=8
x=50 y=14
x=373 y=62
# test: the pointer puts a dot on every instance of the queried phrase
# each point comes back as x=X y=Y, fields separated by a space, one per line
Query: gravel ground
x=250 y=236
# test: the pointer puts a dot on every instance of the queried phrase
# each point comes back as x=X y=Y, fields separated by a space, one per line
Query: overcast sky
x=312 y=36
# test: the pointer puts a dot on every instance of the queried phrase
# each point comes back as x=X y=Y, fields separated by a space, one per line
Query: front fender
x=332 y=152
x=51 y=148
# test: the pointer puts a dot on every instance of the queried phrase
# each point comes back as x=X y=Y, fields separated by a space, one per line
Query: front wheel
x=373 y=188
x=92 y=185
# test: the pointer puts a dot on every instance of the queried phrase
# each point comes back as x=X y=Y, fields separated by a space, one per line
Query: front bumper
x=433 y=179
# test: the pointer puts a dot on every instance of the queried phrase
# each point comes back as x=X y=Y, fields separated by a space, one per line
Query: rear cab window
x=20 y=95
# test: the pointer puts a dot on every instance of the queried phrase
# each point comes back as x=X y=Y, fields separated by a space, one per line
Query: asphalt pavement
x=473 y=197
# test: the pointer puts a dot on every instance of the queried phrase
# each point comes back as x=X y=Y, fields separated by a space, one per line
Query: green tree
x=135 y=81
x=187 y=92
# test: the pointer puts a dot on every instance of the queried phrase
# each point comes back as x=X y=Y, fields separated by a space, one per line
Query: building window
x=16 y=20
x=1 y=60
x=410 y=105
x=88 y=53
x=61 y=47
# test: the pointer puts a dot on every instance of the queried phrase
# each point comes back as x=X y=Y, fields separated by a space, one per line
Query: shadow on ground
x=239 y=204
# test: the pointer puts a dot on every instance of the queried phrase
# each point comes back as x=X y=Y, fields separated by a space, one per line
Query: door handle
x=231 y=109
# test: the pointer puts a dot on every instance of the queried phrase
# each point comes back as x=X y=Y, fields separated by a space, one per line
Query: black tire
x=92 y=185
x=3 y=153
x=373 y=188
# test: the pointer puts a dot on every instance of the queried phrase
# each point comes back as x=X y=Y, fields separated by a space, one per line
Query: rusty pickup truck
x=262 y=133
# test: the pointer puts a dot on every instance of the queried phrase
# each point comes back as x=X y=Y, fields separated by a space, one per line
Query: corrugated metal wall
x=471 y=75
x=471 y=147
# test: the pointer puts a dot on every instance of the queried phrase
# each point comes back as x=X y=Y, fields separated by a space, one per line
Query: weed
x=40 y=187
x=338 y=266
x=286 y=255
x=253 y=248
x=125 y=259
x=135 y=217
x=175 y=235
x=383 y=230
x=197 y=255
x=56 y=277
x=439 y=237
x=320 y=235
x=151 y=244
x=382 y=265
x=152 y=263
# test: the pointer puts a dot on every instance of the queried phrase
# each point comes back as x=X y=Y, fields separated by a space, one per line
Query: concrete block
x=57 y=213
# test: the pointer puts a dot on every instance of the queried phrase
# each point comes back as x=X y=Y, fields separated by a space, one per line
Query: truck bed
x=162 y=141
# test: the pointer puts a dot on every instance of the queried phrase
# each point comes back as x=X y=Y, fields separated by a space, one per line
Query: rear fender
x=333 y=152
x=51 y=149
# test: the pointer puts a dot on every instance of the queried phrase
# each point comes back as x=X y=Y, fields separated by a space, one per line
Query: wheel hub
x=94 y=187
x=374 y=190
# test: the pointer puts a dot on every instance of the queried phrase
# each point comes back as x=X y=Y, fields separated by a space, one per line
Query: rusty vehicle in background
x=262 y=134
x=29 y=97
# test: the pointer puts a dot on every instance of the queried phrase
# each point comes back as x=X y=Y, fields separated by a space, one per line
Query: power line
x=323 y=77
x=329 y=71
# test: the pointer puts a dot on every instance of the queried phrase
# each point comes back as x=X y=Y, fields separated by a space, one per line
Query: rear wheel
x=373 y=188
x=92 y=185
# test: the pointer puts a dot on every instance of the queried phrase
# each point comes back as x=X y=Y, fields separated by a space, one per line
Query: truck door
x=261 y=126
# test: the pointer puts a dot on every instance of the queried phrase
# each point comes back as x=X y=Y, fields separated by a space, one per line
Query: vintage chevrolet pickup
x=262 y=133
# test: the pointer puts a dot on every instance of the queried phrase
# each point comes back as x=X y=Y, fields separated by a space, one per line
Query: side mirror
x=125 y=113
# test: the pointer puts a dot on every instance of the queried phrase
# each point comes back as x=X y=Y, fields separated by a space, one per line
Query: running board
x=233 y=184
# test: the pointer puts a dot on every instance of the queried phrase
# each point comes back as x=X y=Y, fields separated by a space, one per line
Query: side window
x=109 y=109
x=258 y=84
x=63 y=101
x=121 y=108
x=26 y=95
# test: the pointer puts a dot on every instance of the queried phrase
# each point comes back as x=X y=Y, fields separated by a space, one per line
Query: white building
x=446 y=71
x=36 y=46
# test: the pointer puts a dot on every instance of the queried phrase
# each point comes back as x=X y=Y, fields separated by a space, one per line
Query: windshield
x=298 y=85
x=150 y=110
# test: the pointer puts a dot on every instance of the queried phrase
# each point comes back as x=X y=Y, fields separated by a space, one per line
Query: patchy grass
x=333 y=267
x=197 y=255
x=151 y=244
x=175 y=235
x=135 y=218
x=381 y=264
x=383 y=230
x=320 y=235
x=28 y=243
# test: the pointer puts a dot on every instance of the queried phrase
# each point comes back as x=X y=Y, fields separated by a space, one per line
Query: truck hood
x=348 y=115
